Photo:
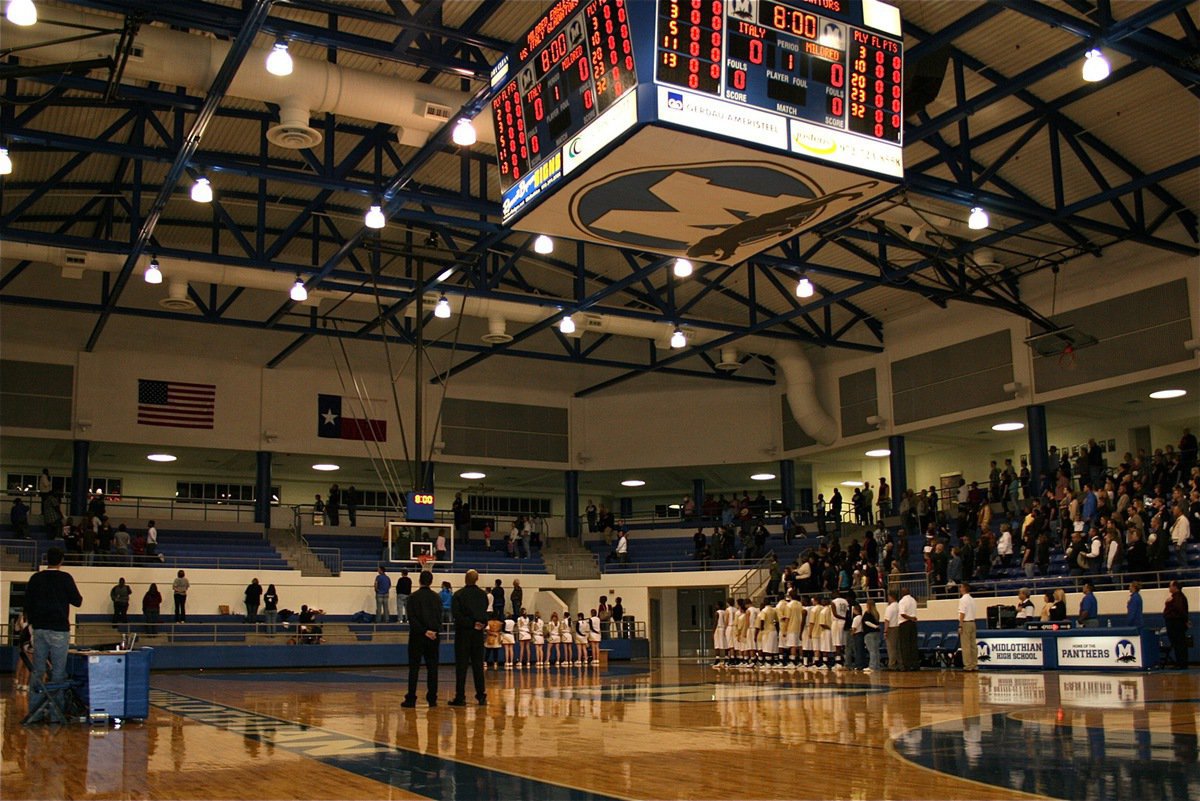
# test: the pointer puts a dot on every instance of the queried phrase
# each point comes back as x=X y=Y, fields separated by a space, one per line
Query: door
x=695 y=618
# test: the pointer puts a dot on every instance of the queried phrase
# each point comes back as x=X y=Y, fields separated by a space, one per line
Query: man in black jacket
x=469 y=610
x=424 y=625
x=48 y=595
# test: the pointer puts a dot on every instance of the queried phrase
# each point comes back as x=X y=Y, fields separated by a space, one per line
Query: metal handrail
x=759 y=575
x=330 y=557
x=1153 y=579
x=678 y=565
x=189 y=562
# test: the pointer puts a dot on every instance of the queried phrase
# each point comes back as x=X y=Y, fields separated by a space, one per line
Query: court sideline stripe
x=433 y=776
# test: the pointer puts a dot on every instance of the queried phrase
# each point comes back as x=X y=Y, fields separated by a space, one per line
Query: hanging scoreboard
x=805 y=95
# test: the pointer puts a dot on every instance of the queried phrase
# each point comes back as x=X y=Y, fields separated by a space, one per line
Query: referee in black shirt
x=47 y=597
x=424 y=623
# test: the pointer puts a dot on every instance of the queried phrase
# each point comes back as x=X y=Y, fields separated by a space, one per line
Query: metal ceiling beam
x=255 y=17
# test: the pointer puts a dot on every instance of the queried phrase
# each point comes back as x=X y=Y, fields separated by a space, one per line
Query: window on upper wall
x=482 y=505
x=211 y=492
x=22 y=482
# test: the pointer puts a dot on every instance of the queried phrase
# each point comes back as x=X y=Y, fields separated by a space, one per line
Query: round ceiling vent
x=293 y=136
x=177 y=297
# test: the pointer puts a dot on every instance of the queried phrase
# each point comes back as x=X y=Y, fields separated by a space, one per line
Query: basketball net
x=423 y=560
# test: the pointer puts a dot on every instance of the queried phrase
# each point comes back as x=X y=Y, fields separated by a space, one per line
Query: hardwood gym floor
x=653 y=730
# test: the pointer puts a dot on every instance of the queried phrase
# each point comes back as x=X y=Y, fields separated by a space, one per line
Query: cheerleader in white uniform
x=552 y=639
x=582 y=627
x=594 y=630
x=538 y=628
x=566 y=638
x=507 y=638
x=524 y=641
x=719 y=642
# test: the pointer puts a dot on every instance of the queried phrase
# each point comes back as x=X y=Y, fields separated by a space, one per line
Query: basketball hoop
x=423 y=560
x=1066 y=359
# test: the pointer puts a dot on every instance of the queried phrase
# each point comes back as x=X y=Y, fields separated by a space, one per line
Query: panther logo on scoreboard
x=718 y=212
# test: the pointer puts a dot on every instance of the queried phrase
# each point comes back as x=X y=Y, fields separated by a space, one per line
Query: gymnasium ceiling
x=1065 y=168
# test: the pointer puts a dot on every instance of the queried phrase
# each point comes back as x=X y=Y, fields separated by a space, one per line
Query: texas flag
x=331 y=423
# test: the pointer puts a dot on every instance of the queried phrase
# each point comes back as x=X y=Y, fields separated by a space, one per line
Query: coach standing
x=910 y=659
x=469 y=610
x=966 y=628
x=424 y=624
x=47 y=597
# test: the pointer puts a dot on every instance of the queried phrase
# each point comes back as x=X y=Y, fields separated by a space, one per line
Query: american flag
x=176 y=404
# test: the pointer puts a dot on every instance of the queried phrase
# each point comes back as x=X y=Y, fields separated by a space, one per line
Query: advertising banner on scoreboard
x=725 y=119
x=1092 y=651
x=1007 y=651
x=854 y=151
x=617 y=120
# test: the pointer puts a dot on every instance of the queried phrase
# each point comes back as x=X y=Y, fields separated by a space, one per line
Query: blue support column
x=262 y=489
x=698 y=495
x=80 y=477
x=572 y=511
x=427 y=477
x=898 y=468
x=1035 y=425
x=787 y=483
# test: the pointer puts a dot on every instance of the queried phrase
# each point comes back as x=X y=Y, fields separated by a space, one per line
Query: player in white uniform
x=768 y=637
x=813 y=630
x=752 y=644
x=806 y=646
x=730 y=619
x=537 y=628
x=825 y=629
x=781 y=616
x=720 y=645
x=524 y=641
x=795 y=628
x=552 y=638
x=741 y=633
x=841 y=617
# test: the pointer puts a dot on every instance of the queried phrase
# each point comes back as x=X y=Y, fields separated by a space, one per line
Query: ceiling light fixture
x=202 y=190
x=5 y=162
x=683 y=268
x=299 y=293
x=445 y=276
x=464 y=133
x=678 y=340
x=762 y=477
x=374 y=218
x=567 y=326
x=978 y=219
x=326 y=467
x=442 y=309
x=22 y=12
x=878 y=453
x=543 y=244
x=472 y=475
x=1008 y=426
x=633 y=482
x=852 y=483
x=804 y=289
x=1167 y=394
x=1095 y=66
x=279 y=60
x=161 y=457
x=153 y=274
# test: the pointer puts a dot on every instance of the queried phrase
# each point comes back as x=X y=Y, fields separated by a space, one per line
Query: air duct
x=293 y=130
x=729 y=360
x=191 y=60
x=791 y=359
x=177 y=296
x=496 y=335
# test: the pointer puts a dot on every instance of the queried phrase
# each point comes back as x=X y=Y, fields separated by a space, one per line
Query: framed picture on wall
x=1112 y=446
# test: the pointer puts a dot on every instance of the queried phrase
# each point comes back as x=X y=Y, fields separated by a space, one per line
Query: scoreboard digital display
x=795 y=58
x=818 y=80
x=575 y=63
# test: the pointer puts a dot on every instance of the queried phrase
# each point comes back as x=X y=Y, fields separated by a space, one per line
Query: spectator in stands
x=447 y=595
x=1157 y=543
x=885 y=498
x=121 y=544
x=835 y=508
x=180 y=588
x=994 y=483
x=1187 y=451
x=351 y=500
x=592 y=516
x=699 y=545
x=48 y=595
x=423 y=636
x=1136 y=556
x=1175 y=615
x=1181 y=532
x=461 y=513
x=1004 y=546
x=383 y=588
x=403 y=590
x=120 y=594
x=954 y=568
x=151 y=606
x=254 y=593
x=104 y=540
x=1133 y=606
x=334 y=506
x=152 y=541
x=821 y=514
x=1114 y=554
x=271 y=607
x=20 y=518
x=440 y=546
x=318 y=511
x=1089 y=615
x=1076 y=555
x=96 y=506
x=137 y=547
